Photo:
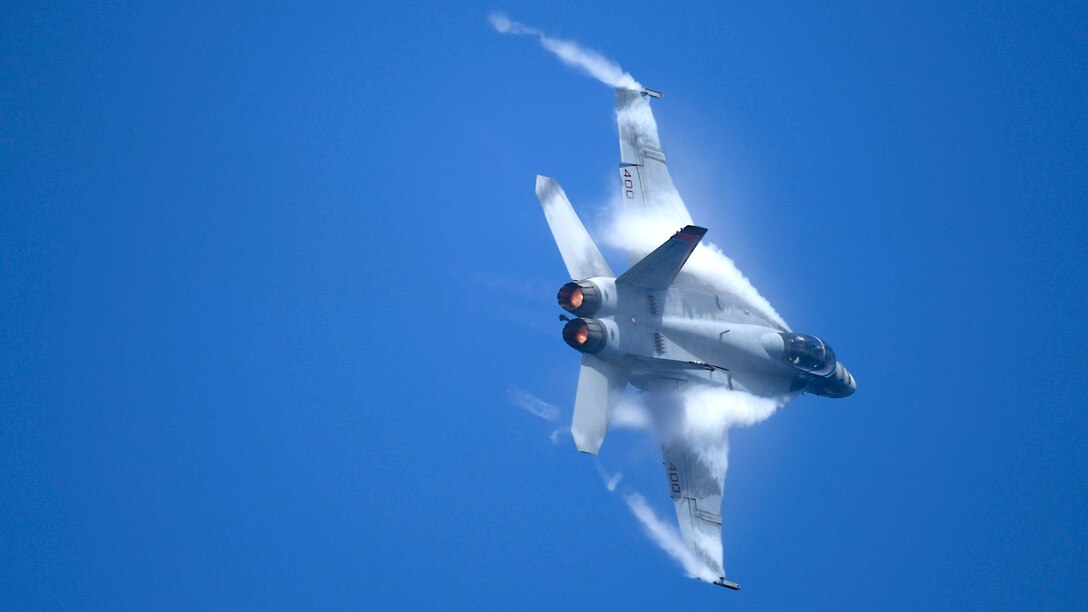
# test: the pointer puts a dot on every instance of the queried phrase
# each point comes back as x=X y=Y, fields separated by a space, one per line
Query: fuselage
x=692 y=335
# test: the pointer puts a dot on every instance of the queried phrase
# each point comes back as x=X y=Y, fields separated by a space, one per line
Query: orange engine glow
x=576 y=298
x=582 y=335
x=576 y=333
x=585 y=335
x=571 y=297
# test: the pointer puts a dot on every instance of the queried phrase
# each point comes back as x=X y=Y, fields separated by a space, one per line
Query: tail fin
x=580 y=254
x=600 y=386
x=658 y=269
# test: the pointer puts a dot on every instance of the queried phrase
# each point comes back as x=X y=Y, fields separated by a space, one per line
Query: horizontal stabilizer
x=600 y=386
x=658 y=269
x=579 y=252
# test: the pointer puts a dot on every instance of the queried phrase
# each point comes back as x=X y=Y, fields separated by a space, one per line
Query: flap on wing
x=658 y=269
x=600 y=385
x=579 y=252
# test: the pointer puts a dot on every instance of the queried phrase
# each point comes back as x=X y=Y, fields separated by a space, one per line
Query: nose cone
x=773 y=344
x=840 y=384
x=851 y=384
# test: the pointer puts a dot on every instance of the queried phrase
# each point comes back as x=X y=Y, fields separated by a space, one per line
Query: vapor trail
x=610 y=480
x=666 y=536
x=533 y=404
x=592 y=63
x=540 y=409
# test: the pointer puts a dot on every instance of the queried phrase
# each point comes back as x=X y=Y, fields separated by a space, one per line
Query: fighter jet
x=663 y=330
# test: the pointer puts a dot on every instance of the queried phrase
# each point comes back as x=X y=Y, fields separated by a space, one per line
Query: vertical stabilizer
x=580 y=253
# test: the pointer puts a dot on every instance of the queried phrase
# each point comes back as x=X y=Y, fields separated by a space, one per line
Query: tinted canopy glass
x=809 y=353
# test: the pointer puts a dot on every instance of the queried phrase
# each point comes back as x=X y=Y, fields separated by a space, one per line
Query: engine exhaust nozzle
x=585 y=335
x=581 y=298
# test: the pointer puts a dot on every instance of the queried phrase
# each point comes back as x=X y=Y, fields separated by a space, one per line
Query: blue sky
x=270 y=272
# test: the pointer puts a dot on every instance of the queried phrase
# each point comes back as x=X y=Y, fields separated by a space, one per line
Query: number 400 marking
x=628 y=185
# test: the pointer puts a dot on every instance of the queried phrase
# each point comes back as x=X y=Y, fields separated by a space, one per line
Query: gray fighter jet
x=664 y=329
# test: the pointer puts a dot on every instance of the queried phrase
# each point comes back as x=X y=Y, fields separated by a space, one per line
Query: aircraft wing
x=644 y=174
x=696 y=492
x=647 y=191
x=695 y=457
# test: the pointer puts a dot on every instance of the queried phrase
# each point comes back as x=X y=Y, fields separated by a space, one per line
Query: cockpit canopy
x=809 y=353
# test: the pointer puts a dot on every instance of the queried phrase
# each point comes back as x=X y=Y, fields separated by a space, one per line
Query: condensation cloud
x=571 y=53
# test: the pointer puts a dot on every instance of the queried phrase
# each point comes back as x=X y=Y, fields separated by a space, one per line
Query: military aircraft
x=664 y=330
